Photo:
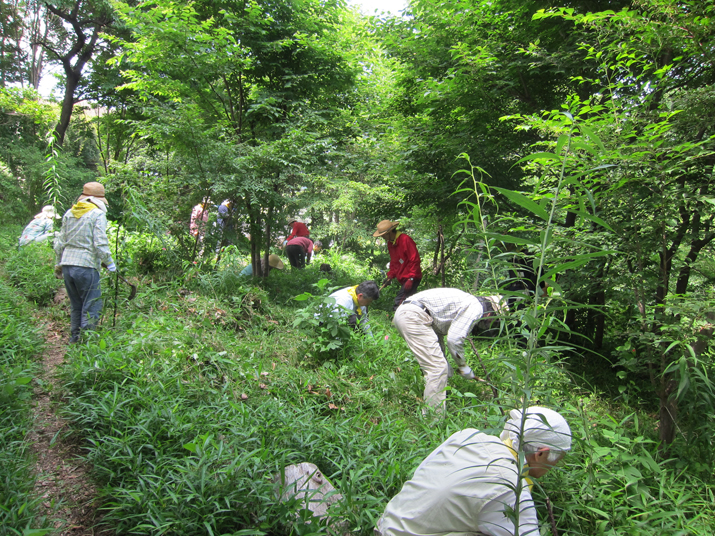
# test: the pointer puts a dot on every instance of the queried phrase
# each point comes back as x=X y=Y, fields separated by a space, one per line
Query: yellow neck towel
x=353 y=293
x=397 y=234
x=81 y=208
x=508 y=443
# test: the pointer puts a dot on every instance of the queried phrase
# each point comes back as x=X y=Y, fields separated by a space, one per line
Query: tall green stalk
x=51 y=184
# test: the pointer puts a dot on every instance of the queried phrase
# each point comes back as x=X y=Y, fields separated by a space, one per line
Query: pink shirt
x=305 y=243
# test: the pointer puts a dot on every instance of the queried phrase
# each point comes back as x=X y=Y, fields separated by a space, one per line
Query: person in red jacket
x=404 y=260
x=298 y=229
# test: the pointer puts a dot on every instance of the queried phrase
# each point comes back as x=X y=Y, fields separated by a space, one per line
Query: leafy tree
x=83 y=23
x=648 y=175
x=244 y=107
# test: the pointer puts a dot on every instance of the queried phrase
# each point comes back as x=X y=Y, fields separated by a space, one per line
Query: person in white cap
x=81 y=247
x=40 y=228
x=468 y=484
x=425 y=318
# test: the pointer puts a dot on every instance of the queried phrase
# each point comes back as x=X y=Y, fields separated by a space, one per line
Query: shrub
x=31 y=270
x=327 y=335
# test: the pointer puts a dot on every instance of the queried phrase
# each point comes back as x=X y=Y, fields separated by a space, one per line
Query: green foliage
x=39 y=174
x=214 y=427
x=615 y=484
x=10 y=192
x=205 y=389
x=31 y=271
x=143 y=252
x=327 y=335
x=171 y=401
x=20 y=342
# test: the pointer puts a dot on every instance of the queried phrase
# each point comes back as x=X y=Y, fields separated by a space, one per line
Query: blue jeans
x=85 y=295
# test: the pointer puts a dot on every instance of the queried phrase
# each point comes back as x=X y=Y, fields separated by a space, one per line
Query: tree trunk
x=80 y=52
x=668 y=415
x=269 y=218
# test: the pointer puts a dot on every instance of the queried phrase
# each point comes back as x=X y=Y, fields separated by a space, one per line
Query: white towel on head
x=542 y=426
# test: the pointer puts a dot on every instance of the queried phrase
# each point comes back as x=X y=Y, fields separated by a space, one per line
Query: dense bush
x=216 y=426
x=144 y=253
x=31 y=270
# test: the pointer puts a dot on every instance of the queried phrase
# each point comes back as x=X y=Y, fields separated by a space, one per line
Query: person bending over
x=425 y=318
x=467 y=485
x=299 y=250
x=351 y=303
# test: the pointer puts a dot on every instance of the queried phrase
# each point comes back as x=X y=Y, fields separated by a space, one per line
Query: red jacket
x=305 y=243
x=404 y=259
x=299 y=229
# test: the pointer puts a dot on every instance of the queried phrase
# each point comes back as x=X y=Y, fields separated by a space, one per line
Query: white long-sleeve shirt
x=454 y=313
x=461 y=489
x=346 y=306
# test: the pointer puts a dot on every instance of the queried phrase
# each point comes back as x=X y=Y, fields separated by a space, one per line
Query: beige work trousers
x=415 y=326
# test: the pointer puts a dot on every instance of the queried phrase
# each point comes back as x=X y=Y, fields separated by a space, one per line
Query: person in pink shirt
x=299 y=250
x=199 y=217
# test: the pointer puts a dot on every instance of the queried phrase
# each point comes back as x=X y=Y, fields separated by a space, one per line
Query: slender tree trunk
x=441 y=254
x=81 y=51
x=269 y=218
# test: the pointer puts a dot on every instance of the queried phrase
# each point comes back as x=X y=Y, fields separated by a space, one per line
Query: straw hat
x=385 y=226
x=95 y=190
x=274 y=261
x=293 y=219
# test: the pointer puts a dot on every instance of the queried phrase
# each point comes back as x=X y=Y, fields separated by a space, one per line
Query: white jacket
x=345 y=307
x=461 y=489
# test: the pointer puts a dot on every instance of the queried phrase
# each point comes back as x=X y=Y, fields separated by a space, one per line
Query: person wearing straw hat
x=81 y=247
x=404 y=260
x=40 y=228
x=468 y=484
x=298 y=228
x=425 y=318
x=274 y=261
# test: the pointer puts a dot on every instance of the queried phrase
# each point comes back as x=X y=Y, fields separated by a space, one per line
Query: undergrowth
x=30 y=270
x=191 y=406
x=20 y=342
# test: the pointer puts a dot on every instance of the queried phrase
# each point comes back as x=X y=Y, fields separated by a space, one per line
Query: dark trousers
x=85 y=296
x=296 y=256
x=403 y=294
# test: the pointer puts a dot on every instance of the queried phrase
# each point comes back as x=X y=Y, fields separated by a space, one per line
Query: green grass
x=20 y=342
x=191 y=406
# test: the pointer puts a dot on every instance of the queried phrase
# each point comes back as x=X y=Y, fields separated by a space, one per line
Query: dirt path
x=69 y=497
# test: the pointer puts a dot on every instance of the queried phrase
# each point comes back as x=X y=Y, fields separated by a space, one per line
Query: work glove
x=58 y=272
x=112 y=267
x=408 y=284
x=467 y=372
